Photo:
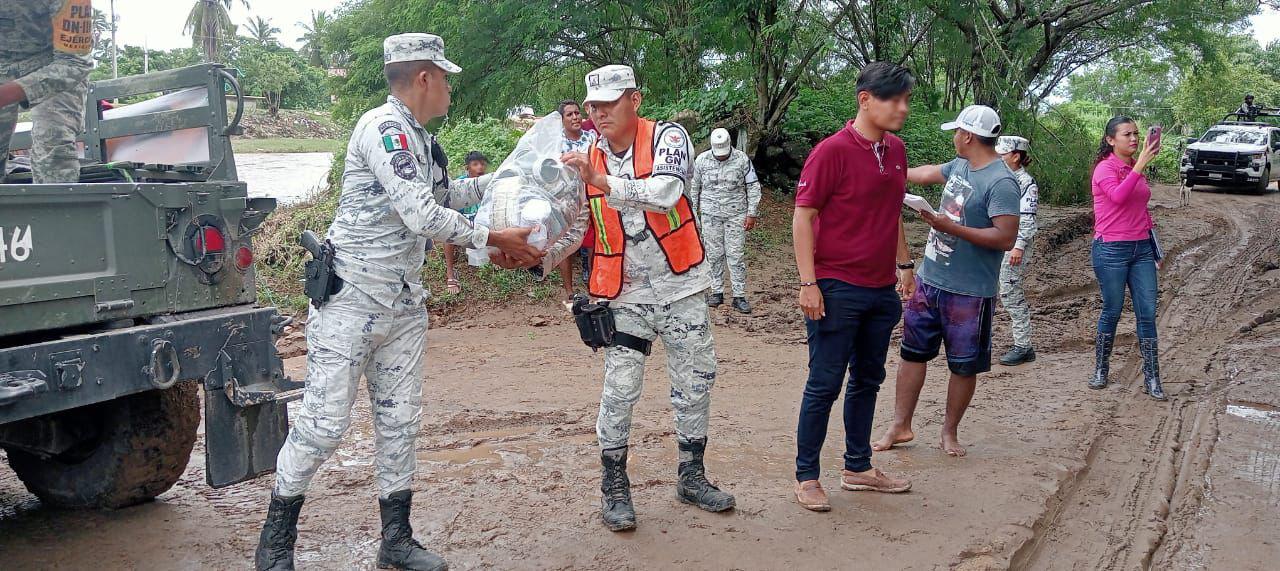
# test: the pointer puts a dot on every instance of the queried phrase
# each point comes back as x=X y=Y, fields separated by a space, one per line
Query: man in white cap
x=955 y=295
x=1016 y=152
x=647 y=259
x=726 y=193
x=395 y=196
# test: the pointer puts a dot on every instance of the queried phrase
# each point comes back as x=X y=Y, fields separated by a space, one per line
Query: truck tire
x=142 y=446
x=1263 y=183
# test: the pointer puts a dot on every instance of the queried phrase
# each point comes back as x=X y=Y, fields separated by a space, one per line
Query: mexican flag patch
x=397 y=142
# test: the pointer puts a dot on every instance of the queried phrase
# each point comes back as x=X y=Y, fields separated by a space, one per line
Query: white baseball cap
x=977 y=119
x=417 y=47
x=609 y=83
x=1010 y=143
x=720 y=145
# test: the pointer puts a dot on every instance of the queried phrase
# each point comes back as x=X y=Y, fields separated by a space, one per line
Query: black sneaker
x=1017 y=356
x=715 y=300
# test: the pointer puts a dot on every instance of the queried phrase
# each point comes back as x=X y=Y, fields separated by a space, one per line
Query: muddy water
x=287 y=177
x=1057 y=476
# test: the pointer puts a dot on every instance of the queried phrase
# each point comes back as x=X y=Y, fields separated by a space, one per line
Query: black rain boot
x=279 y=533
x=1017 y=356
x=715 y=300
x=615 y=504
x=1150 y=350
x=694 y=487
x=399 y=549
x=1102 y=359
x=740 y=304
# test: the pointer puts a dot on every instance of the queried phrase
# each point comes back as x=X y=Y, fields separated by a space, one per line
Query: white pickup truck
x=1234 y=153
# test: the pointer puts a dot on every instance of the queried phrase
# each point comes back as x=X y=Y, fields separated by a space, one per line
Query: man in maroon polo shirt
x=848 y=233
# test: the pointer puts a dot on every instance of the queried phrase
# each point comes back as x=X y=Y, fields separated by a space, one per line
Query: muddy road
x=1057 y=476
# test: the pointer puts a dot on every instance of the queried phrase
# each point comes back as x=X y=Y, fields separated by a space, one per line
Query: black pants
x=854 y=337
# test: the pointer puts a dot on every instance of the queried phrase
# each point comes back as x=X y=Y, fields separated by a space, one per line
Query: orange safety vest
x=676 y=230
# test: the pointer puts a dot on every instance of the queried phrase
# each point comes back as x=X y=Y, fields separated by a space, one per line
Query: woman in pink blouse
x=1125 y=252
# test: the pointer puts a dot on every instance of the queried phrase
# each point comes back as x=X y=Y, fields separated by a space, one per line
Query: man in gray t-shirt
x=954 y=299
x=971 y=198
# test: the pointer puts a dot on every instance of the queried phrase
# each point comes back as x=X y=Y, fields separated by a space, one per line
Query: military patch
x=73 y=28
x=388 y=125
x=673 y=138
x=405 y=166
x=395 y=142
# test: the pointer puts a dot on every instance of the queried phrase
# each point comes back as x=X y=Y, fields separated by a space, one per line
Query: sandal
x=453 y=286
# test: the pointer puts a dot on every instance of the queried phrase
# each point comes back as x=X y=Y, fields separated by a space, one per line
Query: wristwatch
x=907 y=266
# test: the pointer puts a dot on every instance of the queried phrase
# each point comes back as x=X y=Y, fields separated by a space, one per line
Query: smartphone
x=1153 y=135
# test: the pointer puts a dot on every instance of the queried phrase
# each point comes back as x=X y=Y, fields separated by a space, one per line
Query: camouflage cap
x=416 y=47
x=609 y=83
x=1009 y=143
x=720 y=145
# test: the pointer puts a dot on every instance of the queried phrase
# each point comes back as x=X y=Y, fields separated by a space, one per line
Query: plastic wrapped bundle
x=532 y=189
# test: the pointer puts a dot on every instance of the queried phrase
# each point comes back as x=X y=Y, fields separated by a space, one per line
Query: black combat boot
x=740 y=304
x=715 y=300
x=1102 y=360
x=694 y=487
x=1150 y=350
x=399 y=550
x=1017 y=356
x=615 y=488
x=275 y=545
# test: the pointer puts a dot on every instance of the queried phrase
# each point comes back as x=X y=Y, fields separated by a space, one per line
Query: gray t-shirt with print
x=971 y=197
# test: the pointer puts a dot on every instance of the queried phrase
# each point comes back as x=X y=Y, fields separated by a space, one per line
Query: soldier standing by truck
x=44 y=66
x=647 y=259
x=395 y=195
x=726 y=193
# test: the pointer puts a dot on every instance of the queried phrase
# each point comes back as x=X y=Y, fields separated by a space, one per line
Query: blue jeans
x=1121 y=264
x=854 y=337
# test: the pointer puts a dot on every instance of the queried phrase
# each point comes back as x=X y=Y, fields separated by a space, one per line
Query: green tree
x=209 y=25
x=267 y=72
x=262 y=31
x=313 y=38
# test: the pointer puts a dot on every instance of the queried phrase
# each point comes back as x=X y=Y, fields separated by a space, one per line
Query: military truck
x=129 y=297
x=1238 y=151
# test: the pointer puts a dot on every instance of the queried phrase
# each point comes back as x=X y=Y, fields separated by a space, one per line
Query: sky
x=158 y=23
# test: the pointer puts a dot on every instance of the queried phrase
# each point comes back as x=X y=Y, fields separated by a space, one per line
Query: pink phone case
x=1154 y=135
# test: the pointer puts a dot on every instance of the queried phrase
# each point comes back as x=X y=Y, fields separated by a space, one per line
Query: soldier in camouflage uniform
x=647 y=259
x=44 y=66
x=1015 y=152
x=726 y=193
x=395 y=196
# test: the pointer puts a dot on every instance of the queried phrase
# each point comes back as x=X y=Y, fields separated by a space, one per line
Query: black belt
x=632 y=342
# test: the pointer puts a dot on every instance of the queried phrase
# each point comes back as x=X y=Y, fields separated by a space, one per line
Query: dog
x=1184 y=193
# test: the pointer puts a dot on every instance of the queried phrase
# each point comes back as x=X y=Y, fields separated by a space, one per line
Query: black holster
x=321 y=279
x=598 y=330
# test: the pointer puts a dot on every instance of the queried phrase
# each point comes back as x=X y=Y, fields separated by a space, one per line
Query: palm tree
x=262 y=31
x=209 y=23
x=313 y=38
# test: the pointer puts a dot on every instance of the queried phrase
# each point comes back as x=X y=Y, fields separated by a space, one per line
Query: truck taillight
x=211 y=240
x=244 y=258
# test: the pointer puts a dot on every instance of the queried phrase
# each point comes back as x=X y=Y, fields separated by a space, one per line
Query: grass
x=286 y=145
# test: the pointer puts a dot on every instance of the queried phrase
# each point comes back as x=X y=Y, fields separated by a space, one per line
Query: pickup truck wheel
x=142 y=446
x=1264 y=182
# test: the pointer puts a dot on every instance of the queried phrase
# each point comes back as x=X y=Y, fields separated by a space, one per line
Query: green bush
x=489 y=136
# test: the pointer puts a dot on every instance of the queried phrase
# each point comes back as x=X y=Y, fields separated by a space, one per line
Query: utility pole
x=115 y=69
x=146 y=56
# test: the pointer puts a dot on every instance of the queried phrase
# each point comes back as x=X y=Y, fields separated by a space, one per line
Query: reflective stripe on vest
x=675 y=230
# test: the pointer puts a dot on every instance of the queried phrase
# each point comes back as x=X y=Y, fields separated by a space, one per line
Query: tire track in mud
x=1113 y=512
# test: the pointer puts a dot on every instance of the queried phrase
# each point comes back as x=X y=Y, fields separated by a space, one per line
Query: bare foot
x=951 y=445
x=893 y=437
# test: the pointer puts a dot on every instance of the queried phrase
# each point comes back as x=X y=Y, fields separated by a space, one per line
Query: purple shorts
x=934 y=316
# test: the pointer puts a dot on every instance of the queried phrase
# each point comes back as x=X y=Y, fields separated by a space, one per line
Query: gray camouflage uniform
x=656 y=303
x=394 y=197
x=725 y=193
x=44 y=47
x=1012 y=295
